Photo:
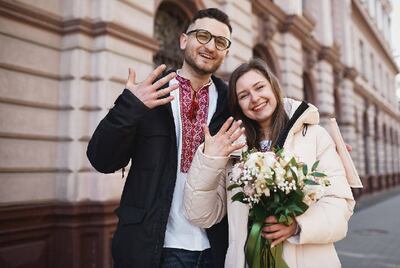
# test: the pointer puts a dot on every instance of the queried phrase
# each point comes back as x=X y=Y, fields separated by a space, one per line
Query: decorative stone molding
x=310 y=58
x=33 y=16
x=350 y=73
x=268 y=26
x=331 y=55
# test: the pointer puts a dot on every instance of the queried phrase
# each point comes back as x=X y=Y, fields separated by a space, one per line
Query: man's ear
x=183 y=41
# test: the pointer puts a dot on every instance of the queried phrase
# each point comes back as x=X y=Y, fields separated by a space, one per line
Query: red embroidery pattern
x=194 y=112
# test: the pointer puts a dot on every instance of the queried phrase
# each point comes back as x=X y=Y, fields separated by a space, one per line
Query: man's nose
x=211 y=44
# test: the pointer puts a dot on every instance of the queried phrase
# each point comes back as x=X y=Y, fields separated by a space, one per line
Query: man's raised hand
x=147 y=91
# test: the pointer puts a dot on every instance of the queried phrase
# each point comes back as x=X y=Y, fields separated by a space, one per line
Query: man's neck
x=197 y=81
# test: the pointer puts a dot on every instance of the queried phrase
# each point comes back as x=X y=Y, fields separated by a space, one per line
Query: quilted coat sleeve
x=326 y=221
x=205 y=192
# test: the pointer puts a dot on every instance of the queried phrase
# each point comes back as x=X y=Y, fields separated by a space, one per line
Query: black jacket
x=147 y=136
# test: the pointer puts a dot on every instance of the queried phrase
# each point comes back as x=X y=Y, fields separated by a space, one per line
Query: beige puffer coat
x=206 y=199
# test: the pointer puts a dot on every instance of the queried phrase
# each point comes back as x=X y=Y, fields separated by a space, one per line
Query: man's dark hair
x=213 y=13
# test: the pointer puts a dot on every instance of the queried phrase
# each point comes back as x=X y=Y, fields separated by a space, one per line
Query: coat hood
x=310 y=116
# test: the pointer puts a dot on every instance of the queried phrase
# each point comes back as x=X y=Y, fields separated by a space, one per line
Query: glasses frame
x=211 y=37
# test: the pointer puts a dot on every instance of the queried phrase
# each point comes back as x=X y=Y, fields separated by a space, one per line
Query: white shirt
x=180 y=233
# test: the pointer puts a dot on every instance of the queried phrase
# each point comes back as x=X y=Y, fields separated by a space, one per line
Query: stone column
x=291 y=56
x=97 y=68
x=243 y=34
x=347 y=102
x=359 y=147
x=371 y=140
x=324 y=82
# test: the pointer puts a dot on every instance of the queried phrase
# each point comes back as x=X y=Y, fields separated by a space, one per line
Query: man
x=160 y=130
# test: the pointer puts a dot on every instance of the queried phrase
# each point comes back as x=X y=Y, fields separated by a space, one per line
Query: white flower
x=249 y=190
x=279 y=174
x=269 y=159
x=261 y=187
x=312 y=193
x=236 y=172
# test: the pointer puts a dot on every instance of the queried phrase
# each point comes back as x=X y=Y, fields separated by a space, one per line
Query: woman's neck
x=266 y=131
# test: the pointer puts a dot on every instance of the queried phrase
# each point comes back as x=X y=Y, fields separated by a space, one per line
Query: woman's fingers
x=206 y=132
x=278 y=241
x=236 y=135
x=234 y=126
x=225 y=126
x=271 y=219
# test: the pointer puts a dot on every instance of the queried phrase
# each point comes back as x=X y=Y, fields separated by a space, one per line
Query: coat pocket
x=130 y=215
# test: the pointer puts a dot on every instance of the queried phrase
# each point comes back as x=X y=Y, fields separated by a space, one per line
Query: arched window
x=377 y=157
x=366 y=143
x=170 y=21
x=308 y=89
x=261 y=52
x=385 y=158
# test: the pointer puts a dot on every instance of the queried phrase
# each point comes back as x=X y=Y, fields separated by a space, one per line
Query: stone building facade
x=63 y=63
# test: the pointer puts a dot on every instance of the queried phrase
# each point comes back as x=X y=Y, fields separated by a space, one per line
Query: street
x=373 y=238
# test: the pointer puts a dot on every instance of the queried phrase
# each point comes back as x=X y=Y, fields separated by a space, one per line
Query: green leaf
x=293 y=173
x=314 y=166
x=239 y=197
x=233 y=186
x=279 y=152
x=305 y=169
x=318 y=174
x=282 y=219
x=309 y=182
x=293 y=161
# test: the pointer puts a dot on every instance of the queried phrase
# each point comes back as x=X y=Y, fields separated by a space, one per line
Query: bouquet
x=273 y=184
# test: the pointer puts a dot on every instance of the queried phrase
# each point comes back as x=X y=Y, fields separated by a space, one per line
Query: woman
x=255 y=101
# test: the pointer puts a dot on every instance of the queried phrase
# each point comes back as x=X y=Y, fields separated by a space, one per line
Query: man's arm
x=112 y=144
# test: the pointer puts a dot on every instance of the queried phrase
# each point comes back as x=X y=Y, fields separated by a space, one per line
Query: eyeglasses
x=203 y=36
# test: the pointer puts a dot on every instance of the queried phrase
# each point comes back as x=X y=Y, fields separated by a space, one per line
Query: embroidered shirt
x=180 y=233
x=193 y=110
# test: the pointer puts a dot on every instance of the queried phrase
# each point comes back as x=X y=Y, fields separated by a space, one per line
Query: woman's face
x=256 y=97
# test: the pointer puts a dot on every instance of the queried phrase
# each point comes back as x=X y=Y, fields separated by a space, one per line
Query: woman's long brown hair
x=252 y=128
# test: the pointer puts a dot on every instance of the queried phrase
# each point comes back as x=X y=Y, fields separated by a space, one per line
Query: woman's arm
x=326 y=220
x=205 y=192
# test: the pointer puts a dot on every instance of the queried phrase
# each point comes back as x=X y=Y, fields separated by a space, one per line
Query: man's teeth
x=206 y=56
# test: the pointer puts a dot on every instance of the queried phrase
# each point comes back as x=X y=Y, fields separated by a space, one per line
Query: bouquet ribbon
x=259 y=254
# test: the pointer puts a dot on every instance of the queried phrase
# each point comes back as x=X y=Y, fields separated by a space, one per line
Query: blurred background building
x=63 y=63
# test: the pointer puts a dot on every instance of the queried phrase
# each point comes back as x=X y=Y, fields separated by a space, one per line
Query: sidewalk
x=373 y=239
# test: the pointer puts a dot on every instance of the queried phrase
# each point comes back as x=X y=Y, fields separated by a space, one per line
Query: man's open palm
x=148 y=92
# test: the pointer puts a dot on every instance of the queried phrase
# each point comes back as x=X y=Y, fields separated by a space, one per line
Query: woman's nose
x=253 y=97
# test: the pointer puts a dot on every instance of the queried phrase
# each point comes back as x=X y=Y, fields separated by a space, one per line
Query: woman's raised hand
x=222 y=143
x=147 y=91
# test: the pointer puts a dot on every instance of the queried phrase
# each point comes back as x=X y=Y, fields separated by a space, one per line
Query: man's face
x=204 y=59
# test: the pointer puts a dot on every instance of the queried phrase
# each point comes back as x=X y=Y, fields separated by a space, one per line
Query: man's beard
x=190 y=60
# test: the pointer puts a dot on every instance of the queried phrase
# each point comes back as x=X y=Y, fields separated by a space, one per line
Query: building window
x=362 y=58
x=372 y=75
x=308 y=89
x=261 y=52
x=170 y=21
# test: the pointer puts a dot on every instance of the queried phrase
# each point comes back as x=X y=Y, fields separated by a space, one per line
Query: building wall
x=63 y=63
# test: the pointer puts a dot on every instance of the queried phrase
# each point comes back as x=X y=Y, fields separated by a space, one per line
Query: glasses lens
x=221 y=43
x=203 y=36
